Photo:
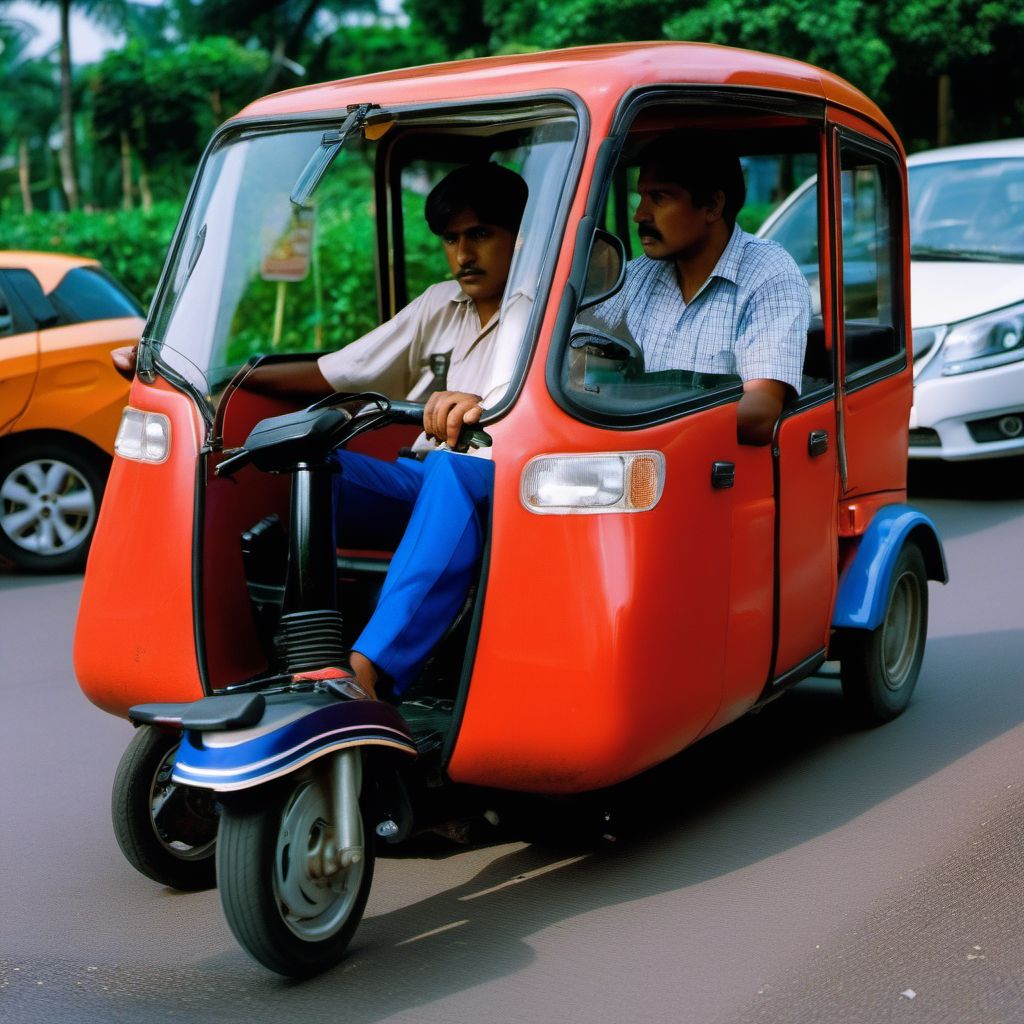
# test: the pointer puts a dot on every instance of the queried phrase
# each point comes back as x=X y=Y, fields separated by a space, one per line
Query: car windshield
x=967 y=209
x=254 y=272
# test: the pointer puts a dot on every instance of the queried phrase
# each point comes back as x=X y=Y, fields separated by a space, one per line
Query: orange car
x=60 y=402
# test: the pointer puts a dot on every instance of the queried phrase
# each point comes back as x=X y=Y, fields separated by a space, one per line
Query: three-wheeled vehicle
x=646 y=578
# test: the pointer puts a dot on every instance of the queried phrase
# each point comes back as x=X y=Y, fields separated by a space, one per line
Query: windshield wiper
x=925 y=252
x=359 y=114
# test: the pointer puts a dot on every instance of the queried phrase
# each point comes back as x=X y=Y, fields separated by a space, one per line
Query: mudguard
x=864 y=584
x=294 y=730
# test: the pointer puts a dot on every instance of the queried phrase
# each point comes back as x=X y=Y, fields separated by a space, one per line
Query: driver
x=706 y=296
x=427 y=510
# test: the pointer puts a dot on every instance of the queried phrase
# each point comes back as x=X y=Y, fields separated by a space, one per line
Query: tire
x=879 y=668
x=283 y=917
x=167 y=832
x=50 y=493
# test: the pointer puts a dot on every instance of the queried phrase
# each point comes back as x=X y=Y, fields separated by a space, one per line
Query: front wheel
x=286 y=903
x=879 y=668
x=166 y=831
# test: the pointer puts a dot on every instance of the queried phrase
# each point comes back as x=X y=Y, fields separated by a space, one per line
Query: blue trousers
x=430 y=513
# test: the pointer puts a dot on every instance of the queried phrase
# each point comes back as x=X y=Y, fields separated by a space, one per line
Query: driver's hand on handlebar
x=447 y=412
x=125 y=359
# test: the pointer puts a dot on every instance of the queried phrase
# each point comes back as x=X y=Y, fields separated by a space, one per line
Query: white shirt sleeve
x=387 y=359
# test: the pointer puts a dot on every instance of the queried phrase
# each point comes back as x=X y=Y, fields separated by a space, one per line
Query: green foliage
x=365 y=49
x=753 y=215
x=550 y=24
x=845 y=37
x=461 y=26
x=169 y=102
x=130 y=244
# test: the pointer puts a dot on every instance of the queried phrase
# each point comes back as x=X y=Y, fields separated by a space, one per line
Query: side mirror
x=606 y=270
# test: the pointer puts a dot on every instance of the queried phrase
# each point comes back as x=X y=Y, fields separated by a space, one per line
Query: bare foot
x=366 y=673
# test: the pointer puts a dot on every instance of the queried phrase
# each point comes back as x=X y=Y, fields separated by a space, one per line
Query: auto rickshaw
x=646 y=578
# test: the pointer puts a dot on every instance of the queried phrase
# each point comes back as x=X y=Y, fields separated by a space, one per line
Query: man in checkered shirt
x=706 y=296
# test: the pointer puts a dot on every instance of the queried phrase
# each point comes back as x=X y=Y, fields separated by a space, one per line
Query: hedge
x=131 y=244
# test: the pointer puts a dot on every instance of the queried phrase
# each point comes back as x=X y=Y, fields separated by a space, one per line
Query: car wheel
x=50 y=494
x=879 y=668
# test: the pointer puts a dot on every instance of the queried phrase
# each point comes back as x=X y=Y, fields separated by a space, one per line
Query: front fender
x=864 y=584
x=293 y=732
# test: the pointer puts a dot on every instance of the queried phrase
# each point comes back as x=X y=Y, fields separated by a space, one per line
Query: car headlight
x=925 y=339
x=991 y=340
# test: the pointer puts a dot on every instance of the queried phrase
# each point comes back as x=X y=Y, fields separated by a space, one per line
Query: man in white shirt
x=429 y=510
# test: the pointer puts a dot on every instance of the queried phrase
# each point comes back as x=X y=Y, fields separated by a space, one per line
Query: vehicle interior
x=369 y=207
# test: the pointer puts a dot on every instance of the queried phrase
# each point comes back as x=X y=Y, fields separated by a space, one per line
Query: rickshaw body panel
x=135 y=636
x=635 y=651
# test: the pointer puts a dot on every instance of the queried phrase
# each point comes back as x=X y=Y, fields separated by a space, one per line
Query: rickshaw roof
x=600 y=75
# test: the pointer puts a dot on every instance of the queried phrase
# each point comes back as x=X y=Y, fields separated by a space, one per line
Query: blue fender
x=864 y=584
x=293 y=731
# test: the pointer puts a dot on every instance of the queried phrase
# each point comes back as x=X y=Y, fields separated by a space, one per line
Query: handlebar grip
x=406 y=412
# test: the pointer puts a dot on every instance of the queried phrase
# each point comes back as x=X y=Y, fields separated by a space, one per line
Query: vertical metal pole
x=312 y=551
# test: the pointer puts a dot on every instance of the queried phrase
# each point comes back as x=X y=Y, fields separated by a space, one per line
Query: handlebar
x=276 y=443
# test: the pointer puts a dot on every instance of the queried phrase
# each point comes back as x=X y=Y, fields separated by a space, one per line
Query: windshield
x=968 y=209
x=252 y=272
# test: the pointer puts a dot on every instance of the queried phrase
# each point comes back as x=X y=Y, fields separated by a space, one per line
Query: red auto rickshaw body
x=606 y=643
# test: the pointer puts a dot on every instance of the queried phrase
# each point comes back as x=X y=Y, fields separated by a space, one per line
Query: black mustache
x=469 y=272
x=646 y=230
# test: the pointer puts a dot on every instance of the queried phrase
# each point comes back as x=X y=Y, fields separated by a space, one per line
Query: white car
x=967 y=296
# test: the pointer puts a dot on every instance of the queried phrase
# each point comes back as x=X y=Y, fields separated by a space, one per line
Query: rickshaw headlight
x=609 y=482
x=143 y=436
x=986 y=341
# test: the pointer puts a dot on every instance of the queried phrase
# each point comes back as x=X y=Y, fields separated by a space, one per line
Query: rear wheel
x=166 y=831
x=879 y=668
x=288 y=906
x=50 y=494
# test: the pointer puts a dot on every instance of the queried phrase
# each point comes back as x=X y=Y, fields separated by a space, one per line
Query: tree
x=111 y=13
x=158 y=108
x=550 y=24
x=845 y=37
x=29 y=109
x=942 y=39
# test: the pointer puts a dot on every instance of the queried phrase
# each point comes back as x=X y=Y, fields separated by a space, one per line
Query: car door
x=19 y=355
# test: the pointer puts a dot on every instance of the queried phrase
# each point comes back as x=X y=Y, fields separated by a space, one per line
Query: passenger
x=429 y=510
x=706 y=296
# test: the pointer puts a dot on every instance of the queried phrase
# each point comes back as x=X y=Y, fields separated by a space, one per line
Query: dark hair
x=703 y=163
x=494 y=193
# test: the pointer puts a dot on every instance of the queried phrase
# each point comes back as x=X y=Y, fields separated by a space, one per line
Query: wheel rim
x=184 y=820
x=901 y=630
x=47 y=507
x=314 y=906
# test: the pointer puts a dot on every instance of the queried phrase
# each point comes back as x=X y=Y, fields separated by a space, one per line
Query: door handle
x=723 y=475
x=817 y=443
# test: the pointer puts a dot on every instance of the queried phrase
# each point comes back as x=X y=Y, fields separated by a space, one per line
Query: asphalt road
x=789 y=869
